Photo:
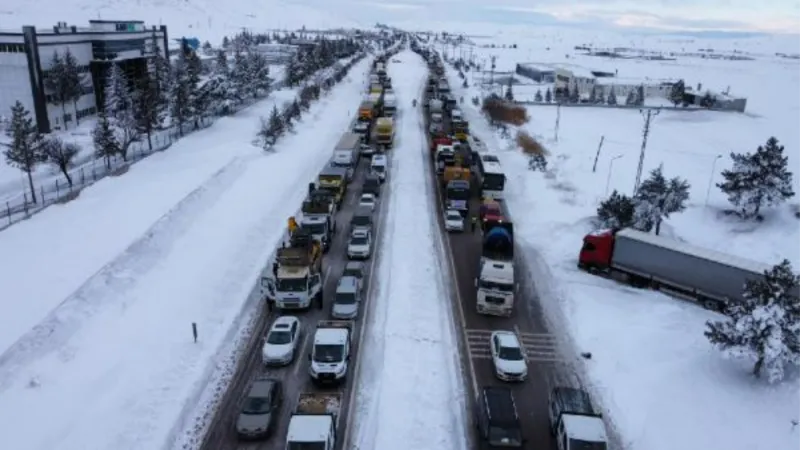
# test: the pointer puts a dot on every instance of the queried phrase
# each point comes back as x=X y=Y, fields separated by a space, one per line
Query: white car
x=281 y=342
x=508 y=356
x=360 y=245
x=368 y=200
x=453 y=220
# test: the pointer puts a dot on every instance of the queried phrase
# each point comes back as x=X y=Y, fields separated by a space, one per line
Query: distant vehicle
x=508 y=356
x=453 y=220
x=574 y=421
x=360 y=245
x=347 y=298
x=361 y=220
x=491 y=178
x=361 y=128
x=497 y=419
x=260 y=410
x=372 y=184
x=355 y=269
x=378 y=165
x=366 y=150
x=368 y=201
x=280 y=344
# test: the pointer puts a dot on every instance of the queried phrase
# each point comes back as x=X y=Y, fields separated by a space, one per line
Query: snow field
x=121 y=376
x=652 y=370
x=410 y=394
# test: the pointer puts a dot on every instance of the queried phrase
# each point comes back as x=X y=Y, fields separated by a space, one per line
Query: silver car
x=347 y=298
x=260 y=410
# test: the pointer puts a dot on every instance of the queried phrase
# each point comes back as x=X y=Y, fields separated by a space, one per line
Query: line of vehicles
x=295 y=282
x=464 y=168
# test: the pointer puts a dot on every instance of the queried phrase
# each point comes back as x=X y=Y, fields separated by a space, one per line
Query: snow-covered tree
x=630 y=99
x=60 y=155
x=160 y=71
x=758 y=179
x=56 y=83
x=595 y=94
x=121 y=111
x=220 y=85
x=271 y=129
x=538 y=97
x=73 y=81
x=616 y=211
x=612 y=96
x=509 y=90
x=23 y=149
x=574 y=94
x=259 y=80
x=548 y=96
x=180 y=95
x=105 y=142
x=198 y=97
x=657 y=198
x=147 y=108
x=640 y=95
x=537 y=162
x=677 y=92
x=765 y=328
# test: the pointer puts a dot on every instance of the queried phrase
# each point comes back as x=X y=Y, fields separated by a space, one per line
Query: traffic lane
x=295 y=377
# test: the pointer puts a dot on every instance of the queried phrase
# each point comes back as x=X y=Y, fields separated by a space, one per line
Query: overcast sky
x=739 y=15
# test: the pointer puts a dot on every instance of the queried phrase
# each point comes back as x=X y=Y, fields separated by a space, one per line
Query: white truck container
x=314 y=422
x=345 y=154
x=331 y=352
x=495 y=284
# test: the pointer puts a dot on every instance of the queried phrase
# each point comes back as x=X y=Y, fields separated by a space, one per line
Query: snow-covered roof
x=647 y=81
x=541 y=67
x=585 y=428
x=309 y=428
x=498 y=271
x=698 y=252
x=337 y=336
x=292 y=272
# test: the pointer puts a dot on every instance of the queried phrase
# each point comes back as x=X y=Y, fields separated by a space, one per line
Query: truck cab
x=321 y=227
x=457 y=194
x=330 y=354
x=298 y=279
x=574 y=421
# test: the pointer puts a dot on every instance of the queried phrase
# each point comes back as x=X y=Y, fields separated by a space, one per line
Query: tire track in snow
x=117 y=276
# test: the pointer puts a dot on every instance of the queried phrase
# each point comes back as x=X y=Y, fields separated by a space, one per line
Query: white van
x=378 y=166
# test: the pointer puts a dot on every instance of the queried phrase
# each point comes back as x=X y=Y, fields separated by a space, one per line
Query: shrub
x=501 y=111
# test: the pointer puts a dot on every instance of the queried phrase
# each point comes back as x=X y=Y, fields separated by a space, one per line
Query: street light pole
x=610 y=167
x=711 y=178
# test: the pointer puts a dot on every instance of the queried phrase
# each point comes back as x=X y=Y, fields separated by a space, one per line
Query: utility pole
x=597 y=156
x=558 y=121
x=491 y=76
x=648 y=117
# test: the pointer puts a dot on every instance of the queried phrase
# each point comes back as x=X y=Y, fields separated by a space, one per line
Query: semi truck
x=435 y=108
x=390 y=104
x=298 y=278
x=574 y=421
x=345 y=154
x=330 y=354
x=712 y=278
x=495 y=283
x=319 y=220
x=456 y=196
x=384 y=132
x=366 y=111
x=334 y=179
x=314 y=422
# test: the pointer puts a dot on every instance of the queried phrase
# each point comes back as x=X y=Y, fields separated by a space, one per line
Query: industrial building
x=26 y=56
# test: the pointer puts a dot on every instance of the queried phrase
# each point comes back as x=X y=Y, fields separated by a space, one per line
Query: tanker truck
x=712 y=278
x=495 y=283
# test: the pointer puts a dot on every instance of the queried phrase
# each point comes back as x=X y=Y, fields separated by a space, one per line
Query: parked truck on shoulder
x=331 y=351
x=313 y=424
x=574 y=421
x=712 y=278
x=298 y=278
x=495 y=283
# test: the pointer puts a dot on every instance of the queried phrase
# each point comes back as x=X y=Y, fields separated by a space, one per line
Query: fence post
x=94 y=174
x=25 y=204
x=41 y=194
x=83 y=176
x=8 y=211
x=58 y=191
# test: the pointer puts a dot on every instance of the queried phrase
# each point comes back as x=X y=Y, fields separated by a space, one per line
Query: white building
x=25 y=57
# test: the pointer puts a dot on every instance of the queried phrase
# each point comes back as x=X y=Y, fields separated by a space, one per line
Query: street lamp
x=711 y=178
x=610 y=167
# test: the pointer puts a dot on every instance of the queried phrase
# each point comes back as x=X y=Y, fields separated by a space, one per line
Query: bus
x=491 y=178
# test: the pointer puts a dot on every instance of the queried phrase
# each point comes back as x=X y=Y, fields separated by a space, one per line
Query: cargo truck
x=334 y=179
x=712 y=278
x=457 y=194
x=314 y=422
x=495 y=283
x=298 y=278
x=384 y=132
x=366 y=111
x=574 y=421
x=318 y=220
x=330 y=353
x=345 y=154
x=390 y=104
x=435 y=108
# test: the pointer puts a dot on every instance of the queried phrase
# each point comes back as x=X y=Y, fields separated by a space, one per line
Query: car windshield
x=358 y=240
x=492 y=286
x=307 y=446
x=377 y=168
x=457 y=194
x=279 y=337
x=256 y=405
x=328 y=353
x=291 y=284
x=367 y=199
x=575 y=444
x=453 y=216
x=313 y=228
x=345 y=298
x=361 y=220
x=511 y=353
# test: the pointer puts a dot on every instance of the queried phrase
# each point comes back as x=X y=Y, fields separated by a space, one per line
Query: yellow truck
x=460 y=129
x=376 y=88
x=366 y=111
x=455 y=173
x=384 y=132
x=334 y=180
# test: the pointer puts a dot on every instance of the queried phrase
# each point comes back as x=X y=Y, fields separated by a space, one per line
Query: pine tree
x=509 y=90
x=226 y=42
x=677 y=93
x=198 y=99
x=23 y=150
x=121 y=111
x=271 y=129
x=57 y=84
x=73 y=81
x=105 y=143
x=630 y=100
x=180 y=96
x=766 y=326
x=574 y=94
x=60 y=155
x=616 y=212
x=220 y=89
x=240 y=76
x=612 y=96
x=147 y=108
x=538 y=97
x=640 y=95
x=657 y=198
x=287 y=118
x=259 y=81
x=536 y=162
x=758 y=179
x=294 y=109
x=160 y=71
x=593 y=95
x=548 y=96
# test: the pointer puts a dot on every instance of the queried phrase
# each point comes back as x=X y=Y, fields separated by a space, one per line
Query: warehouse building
x=25 y=57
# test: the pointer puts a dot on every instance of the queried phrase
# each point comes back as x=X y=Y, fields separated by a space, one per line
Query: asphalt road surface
x=545 y=365
x=222 y=434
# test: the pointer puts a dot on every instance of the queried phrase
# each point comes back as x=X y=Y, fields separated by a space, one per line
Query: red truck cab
x=490 y=210
x=440 y=140
x=597 y=250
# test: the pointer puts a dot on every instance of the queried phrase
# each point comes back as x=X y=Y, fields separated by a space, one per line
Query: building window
x=12 y=48
x=110 y=49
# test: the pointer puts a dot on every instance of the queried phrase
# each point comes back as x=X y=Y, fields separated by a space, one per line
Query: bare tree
x=60 y=155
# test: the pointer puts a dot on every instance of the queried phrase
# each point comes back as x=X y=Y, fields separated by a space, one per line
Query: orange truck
x=366 y=111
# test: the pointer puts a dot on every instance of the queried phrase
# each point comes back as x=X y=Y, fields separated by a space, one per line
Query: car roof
x=284 y=321
x=347 y=284
x=261 y=387
x=367 y=194
x=354 y=265
x=360 y=232
x=507 y=338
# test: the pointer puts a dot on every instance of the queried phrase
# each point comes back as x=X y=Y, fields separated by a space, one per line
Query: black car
x=497 y=419
x=372 y=185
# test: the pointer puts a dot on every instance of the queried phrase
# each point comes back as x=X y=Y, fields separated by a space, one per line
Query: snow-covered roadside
x=121 y=364
x=410 y=395
x=49 y=256
x=652 y=370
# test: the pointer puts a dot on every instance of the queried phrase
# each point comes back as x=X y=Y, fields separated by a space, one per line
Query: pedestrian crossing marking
x=537 y=347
